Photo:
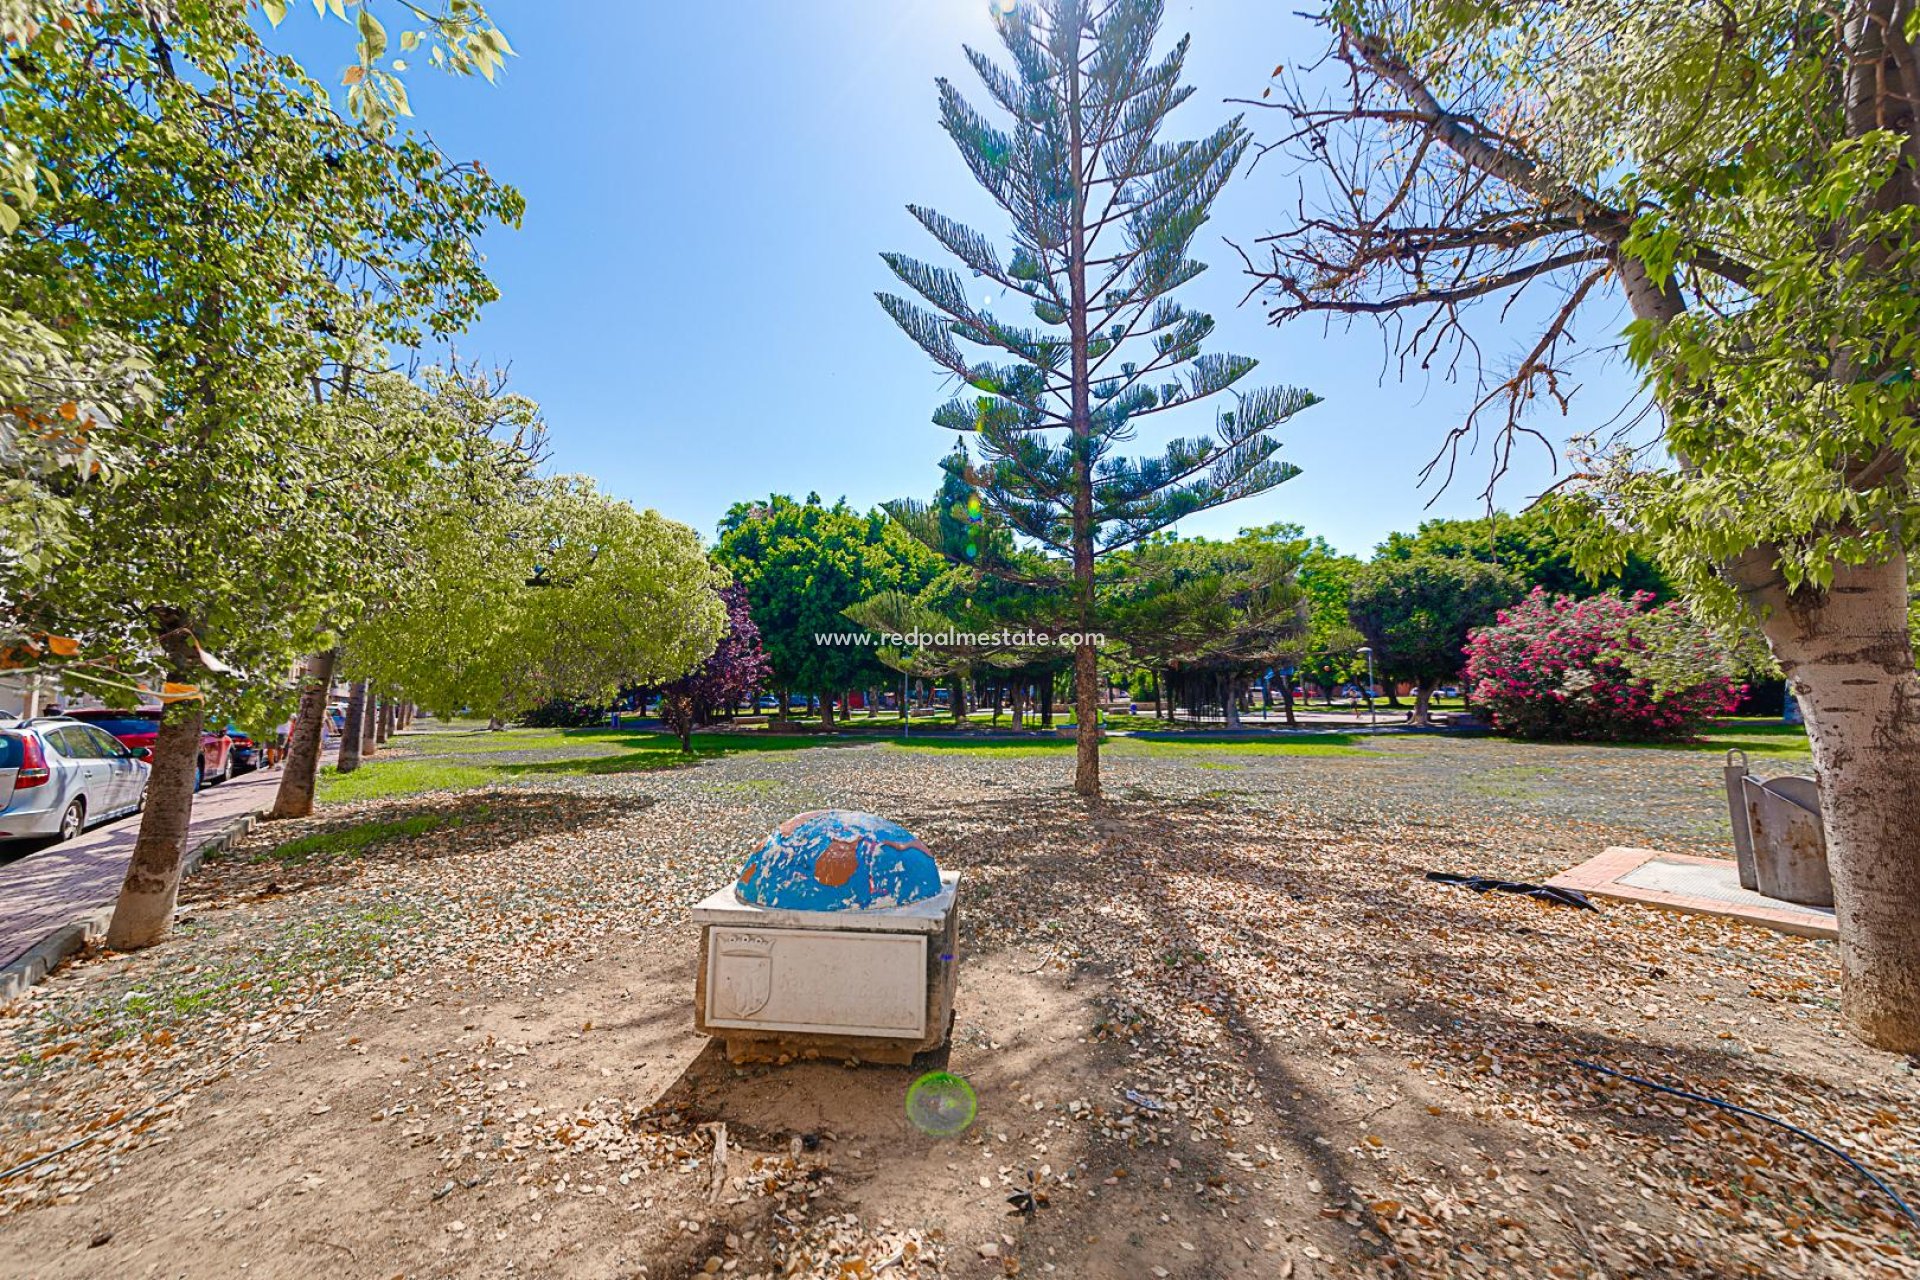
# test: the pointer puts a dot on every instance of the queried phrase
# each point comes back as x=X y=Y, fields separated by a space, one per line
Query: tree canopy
x=1417 y=613
x=564 y=594
x=1534 y=545
x=802 y=565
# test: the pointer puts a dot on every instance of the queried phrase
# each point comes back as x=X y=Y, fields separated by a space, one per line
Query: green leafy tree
x=1103 y=214
x=1416 y=614
x=1212 y=615
x=1746 y=178
x=803 y=565
x=1542 y=545
x=263 y=252
x=561 y=593
x=66 y=379
x=1329 y=658
x=994 y=606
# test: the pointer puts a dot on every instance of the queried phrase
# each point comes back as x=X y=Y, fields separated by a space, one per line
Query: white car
x=58 y=777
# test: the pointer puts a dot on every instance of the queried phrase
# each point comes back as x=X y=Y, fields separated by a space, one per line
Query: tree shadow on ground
x=287 y=857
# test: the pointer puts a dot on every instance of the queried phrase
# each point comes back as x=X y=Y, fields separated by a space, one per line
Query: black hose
x=1822 y=1143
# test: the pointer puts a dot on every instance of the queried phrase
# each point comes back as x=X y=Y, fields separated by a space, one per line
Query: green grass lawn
x=462 y=759
x=1753 y=735
x=351 y=842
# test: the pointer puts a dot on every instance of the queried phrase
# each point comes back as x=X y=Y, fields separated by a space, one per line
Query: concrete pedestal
x=877 y=985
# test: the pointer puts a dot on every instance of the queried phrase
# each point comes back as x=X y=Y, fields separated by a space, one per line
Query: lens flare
x=942 y=1104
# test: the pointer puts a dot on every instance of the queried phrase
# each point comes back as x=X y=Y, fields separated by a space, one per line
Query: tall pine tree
x=1103 y=214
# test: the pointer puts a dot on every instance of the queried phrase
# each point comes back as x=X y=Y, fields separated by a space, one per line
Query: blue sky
x=709 y=186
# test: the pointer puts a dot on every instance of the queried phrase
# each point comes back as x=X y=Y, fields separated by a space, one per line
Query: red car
x=139 y=729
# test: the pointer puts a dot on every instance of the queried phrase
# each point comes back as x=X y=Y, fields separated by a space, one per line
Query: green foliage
x=1192 y=604
x=215 y=213
x=1102 y=216
x=803 y=565
x=123 y=109
x=1417 y=612
x=562 y=593
x=1535 y=545
x=1761 y=179
x=1328 y=658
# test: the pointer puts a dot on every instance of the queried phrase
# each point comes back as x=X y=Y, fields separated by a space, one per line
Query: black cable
x=1822 y=1143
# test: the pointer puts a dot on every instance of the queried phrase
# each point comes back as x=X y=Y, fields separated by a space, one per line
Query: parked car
x=139 y=729
x=58 y=777
x=243 y=752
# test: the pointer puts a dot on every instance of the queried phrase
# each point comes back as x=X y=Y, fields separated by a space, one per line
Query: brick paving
x=1682 y=882
x=42 y=889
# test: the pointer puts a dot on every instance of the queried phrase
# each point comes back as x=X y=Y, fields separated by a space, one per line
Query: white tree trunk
x=1850 y=661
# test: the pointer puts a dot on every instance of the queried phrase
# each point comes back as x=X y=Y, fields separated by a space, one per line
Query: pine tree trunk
x=1286 y=702
x=1849 y=659
x=1230 y=692
x=960 y=700
x=144 y=911
x=353 y=737
x=826 y=712
x=1046 y=702
x=1086 y=662
x=295 y=797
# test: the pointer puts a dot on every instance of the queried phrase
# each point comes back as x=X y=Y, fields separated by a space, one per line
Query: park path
x=44 y=890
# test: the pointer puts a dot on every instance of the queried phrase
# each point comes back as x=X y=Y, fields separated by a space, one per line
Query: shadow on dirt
x=287 y=857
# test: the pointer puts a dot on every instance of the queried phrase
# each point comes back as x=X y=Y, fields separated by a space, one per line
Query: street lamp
x=1373 y=713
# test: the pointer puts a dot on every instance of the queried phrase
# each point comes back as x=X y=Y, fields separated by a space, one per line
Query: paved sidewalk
x=1701 y=886
x=42 y=891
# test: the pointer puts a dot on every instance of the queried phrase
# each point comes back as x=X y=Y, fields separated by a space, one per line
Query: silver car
x=58 y=777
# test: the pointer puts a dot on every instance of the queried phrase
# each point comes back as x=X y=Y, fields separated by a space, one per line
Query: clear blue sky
x=709 y=186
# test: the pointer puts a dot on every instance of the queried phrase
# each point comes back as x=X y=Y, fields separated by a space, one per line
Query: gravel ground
x=1218 y=1024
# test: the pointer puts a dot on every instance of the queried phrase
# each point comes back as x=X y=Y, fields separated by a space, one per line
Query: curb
x=34 y=964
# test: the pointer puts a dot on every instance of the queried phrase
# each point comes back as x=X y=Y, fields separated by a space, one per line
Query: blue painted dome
x=839 y=860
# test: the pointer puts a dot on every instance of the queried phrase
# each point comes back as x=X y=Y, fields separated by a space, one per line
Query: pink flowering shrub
x=1602 y=669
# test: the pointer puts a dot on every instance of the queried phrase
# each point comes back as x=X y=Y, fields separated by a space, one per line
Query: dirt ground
x=1217 y=1024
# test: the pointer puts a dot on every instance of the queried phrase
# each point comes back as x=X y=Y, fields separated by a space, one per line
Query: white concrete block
x=877 y=984
x=810 y=980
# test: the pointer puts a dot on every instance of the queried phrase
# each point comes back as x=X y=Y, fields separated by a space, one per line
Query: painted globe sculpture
x=839 y=860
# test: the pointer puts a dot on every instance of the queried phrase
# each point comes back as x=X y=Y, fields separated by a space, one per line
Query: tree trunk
x=1849 y=659
x=1230 y=695
x=353 y=737
x=385 y=728
x=826 y=711
x=959 y=699
x=1286 y=701
x=369 y=716
x=295 y=797
x=144 y=912
x=1422 y=697
x=1046 y=702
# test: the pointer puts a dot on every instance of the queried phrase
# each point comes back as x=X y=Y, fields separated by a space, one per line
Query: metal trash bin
x=1779 y=840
